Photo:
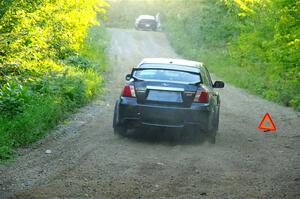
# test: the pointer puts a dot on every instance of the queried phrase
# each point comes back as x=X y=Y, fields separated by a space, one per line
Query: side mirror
x=128 y=77
x=218 y=84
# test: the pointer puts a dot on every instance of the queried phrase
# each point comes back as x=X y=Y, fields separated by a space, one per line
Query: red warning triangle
x=267 y=123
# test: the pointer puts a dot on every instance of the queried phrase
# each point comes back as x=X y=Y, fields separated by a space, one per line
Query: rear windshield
x=167 y=75
x=147 y=21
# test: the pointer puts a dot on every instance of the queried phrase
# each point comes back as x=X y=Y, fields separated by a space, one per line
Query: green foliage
x=6 y=153
x=48 y=65
x=13 y=97
x=268 y=46
x=35 y=30
x=41 y=114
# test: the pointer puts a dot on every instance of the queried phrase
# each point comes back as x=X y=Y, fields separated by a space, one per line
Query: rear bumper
x=134 y=115
x=145 y=27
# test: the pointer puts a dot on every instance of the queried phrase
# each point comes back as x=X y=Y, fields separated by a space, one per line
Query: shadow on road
x=167 y=136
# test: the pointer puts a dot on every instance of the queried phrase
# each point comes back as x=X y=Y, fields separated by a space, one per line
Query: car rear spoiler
x=154 y=68
x=137 y=69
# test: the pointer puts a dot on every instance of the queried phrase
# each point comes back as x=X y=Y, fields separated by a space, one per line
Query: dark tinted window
x=147 y=21
x=167 y=75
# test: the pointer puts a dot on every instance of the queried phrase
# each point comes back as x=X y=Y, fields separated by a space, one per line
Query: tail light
x=201 y=96
x=128 y=91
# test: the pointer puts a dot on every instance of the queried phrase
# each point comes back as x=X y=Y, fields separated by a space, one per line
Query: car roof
x=176 y=64
x=146 y=17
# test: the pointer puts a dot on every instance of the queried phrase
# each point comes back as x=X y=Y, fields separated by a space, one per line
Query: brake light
x=201 y=96
x=128 y=91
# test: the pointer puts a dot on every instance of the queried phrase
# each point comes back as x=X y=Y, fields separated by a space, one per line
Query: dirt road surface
x=88 y=161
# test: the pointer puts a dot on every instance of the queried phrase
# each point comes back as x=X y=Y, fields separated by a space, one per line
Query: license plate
x=164 y=96
x=147 y=25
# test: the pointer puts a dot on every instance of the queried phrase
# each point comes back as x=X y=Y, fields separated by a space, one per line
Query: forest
x=52 y=55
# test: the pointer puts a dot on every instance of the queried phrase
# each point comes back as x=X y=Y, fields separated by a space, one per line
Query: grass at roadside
x=59 y=94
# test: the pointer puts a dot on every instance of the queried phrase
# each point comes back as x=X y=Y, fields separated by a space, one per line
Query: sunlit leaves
x=36 y=36
x=50 y=28
x=38 y=83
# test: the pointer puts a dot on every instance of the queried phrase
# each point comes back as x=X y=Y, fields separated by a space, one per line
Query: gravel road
x=88 y=161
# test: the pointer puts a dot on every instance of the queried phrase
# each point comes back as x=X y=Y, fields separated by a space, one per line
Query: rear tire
x=119 y=129
x=212 y=133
